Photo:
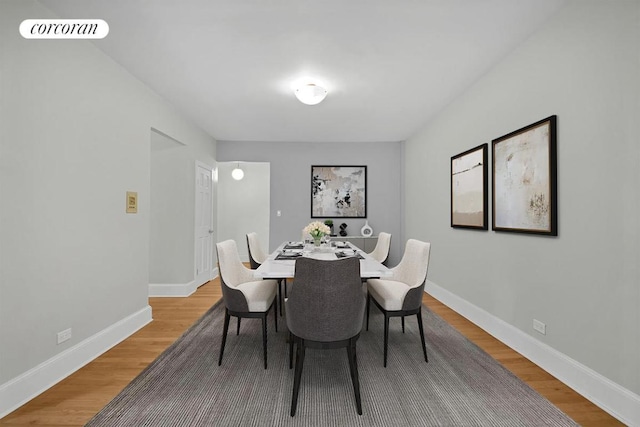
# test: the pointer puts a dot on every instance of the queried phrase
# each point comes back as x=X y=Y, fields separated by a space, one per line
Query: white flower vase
x=366 y=230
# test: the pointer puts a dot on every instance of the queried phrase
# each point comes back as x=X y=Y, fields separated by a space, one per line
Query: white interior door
x=204 y=224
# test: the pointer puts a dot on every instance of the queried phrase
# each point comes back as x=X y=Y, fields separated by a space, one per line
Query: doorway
x=181 y=208
x=244 y=205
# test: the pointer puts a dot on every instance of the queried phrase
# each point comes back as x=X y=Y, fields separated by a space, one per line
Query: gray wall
x=75 y=137
x=291 y=183
x=239 y=214
x=583 y=284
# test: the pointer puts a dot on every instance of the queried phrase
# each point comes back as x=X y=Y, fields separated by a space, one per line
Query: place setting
x=293 y=245
x=289 y=254
x=348 y=253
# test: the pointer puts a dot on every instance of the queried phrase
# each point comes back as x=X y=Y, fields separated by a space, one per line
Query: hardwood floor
x=73 y=401
x=76 y=399
x=571 y=403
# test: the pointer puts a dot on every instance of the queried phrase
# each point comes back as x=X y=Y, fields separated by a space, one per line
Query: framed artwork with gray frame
x=524 y=188
x=469 y=189
x=338 y=191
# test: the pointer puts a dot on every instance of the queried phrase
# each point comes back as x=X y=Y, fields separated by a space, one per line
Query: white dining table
x=273 y=268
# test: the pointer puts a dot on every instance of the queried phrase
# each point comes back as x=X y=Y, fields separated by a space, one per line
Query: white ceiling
x=389 y=65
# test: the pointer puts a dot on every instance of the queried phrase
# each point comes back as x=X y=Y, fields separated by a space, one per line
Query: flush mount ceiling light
x=237 y=173
x=310 y=93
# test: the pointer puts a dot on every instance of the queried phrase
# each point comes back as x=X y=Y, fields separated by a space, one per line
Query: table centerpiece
x=317 y=230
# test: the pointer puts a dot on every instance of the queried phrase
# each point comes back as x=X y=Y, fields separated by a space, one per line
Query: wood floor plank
x=76 y=399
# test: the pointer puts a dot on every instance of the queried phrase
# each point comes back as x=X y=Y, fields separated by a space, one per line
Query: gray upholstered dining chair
x=325 y=310
x=381 y=252
x=401 y=294
x=243 y=295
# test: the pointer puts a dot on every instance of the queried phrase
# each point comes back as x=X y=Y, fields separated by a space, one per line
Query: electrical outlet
x=539 y=326
x=64 y=336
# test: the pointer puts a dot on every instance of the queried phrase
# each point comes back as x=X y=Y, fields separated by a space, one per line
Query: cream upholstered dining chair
x=381 y=251
x=243 y=295
x=325 y=310
x=256 y=254
x=401 y=294
x=257 y=257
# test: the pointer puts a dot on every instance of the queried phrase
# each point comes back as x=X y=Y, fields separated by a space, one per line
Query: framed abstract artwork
x=469 y=189
x=338 y=191
x=524 y=169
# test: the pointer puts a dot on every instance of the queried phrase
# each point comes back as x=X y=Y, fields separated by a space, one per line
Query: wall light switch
x=132 y=202
x=279 y=213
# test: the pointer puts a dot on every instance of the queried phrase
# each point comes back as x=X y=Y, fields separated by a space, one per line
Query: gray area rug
x=460 y=386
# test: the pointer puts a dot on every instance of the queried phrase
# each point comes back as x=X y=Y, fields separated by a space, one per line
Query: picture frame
x=338 y=191
x=524 y=180
x=470 y=188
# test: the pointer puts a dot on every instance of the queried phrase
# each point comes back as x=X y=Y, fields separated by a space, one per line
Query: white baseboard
x=178 y=289
x=611 y=397
x=172 y=289
x=25 y=387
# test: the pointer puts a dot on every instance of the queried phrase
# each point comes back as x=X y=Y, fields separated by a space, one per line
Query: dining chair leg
x=368 y=305
x=264 y=338
x=224 y=334
x=350 y=358
x=353 y=368
x=386 y=337
x=238 y=330
x=297 y=375
x=290 y=350
x=355 y=355
x=424 y=347
x=403 y=324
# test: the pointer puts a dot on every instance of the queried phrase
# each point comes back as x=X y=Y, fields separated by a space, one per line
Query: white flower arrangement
x=316 y=229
